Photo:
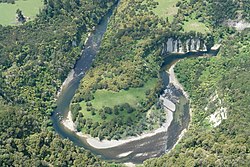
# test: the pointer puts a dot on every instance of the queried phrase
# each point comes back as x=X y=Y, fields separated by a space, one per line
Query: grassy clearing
x=166 y=8
x=195 y=25
x=29 y=8
x=109 y=99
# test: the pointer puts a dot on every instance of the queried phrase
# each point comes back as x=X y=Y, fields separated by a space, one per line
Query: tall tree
x=20 y=17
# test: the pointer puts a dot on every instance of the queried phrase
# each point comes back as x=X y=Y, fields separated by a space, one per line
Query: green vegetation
x=191 y=18
x=34 y=61
x=30 y=9
x=128 y=58
x=166 y=9
x=245 y=10
x=36 y=57
x=24 y=143
x=120 y=121
x=131 y=96
x=228 y=75
x=124 y=108
x=195 y=25
x=120 y=71
x=219 y=11
x=35 y=49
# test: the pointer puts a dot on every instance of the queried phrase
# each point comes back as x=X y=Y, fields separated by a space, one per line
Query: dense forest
x=23 y=142
x=36 y=57
x=33 y=66
x=246 y=8
x=212 y=84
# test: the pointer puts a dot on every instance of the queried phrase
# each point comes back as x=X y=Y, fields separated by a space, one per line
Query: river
x=135 y=151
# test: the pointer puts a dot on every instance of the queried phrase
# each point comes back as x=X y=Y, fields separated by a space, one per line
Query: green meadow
x=107 y=98
x=195 y=25
x=166 y=8
x=30 y=8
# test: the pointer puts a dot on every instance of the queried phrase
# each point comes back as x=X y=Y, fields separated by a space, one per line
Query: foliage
x=125 y=109
x=129 y=57
x=41 y=53
x=36 y=57
x=221 y=10
x=35 y=60
x=20 y=16
x=23 y=142
x=166 y=9
x=122 y=68
x=246 y=8
x=195 y=25
x=227 y=74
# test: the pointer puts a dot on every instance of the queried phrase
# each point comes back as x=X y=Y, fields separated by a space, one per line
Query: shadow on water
x=141 y=150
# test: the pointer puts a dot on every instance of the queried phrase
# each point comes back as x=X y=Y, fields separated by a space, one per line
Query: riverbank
x=68 y=122
x=69 y=78
x=71 y=74
x=173 y=80
x=104 y=144
x=94 y=142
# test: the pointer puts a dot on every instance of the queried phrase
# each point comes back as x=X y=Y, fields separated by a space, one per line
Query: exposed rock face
x=192 y=45
x=216 y=118
x=238 y=24
x=176 y=48
x=180 y=47
x=198 y=44
x=170 y=45
x=219 y=111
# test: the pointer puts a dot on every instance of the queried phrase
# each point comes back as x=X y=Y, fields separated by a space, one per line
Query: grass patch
x=109 y=99
x=8 y=11
x=195 y=25
x=166 y=8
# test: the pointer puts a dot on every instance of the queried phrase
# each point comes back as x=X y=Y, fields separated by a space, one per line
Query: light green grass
x=195 y=25
x=29 y=8
x=166 y=8
x=109 y=99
